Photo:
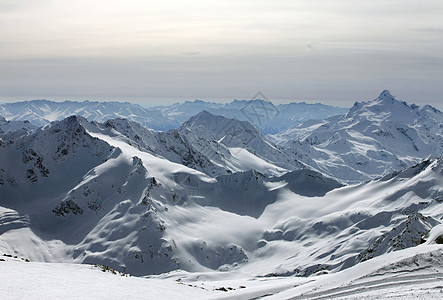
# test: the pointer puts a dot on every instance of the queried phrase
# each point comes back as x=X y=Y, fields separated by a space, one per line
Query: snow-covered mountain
x=214 y=145
x=70 y=182
x=76 y=191
x=263 y=114
x=241 y=138
x=42 y=112
x=14 y=129
x=374 y=138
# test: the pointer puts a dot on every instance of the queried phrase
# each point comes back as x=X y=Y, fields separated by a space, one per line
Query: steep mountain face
x=85 y=194
x=371 y=140
x=263 y=114
x=32 y=158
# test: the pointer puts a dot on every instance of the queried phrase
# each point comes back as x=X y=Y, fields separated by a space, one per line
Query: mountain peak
x=203 y=118
x=73 y=123
x=385 y=102
x=205 y=113
x=217 y=123
x=75 y=120
x=386 y=95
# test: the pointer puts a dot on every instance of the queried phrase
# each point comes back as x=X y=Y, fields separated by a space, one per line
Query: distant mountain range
x=267 y=117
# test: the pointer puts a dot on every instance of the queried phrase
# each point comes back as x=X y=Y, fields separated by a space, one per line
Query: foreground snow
x=22 y=280
x=407 y=274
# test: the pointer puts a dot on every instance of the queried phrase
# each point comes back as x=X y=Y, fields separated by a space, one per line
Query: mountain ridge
x=161 y=118
x=374 y=137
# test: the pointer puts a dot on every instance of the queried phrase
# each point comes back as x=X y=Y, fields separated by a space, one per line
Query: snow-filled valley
x=215 y=208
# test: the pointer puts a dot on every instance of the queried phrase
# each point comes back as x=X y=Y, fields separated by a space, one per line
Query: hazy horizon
x=164 y=101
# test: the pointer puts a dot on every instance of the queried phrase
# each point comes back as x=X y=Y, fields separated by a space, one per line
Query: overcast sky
x=153 y=52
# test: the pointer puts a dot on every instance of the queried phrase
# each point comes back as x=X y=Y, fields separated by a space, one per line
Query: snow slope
x=407 y=274
x=373 y=139
x=31 y=280
x=213 y=209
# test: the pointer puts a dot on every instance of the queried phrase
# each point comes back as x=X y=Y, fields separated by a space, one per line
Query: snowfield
x=349 y=207
x=21 y=280
x=407 y=274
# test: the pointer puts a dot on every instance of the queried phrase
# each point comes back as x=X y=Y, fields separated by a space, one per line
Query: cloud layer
x=322 y=50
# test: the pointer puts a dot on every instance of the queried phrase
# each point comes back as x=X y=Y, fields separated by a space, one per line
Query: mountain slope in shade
x=75 y=191
x=78 y=189
x=374 y=138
